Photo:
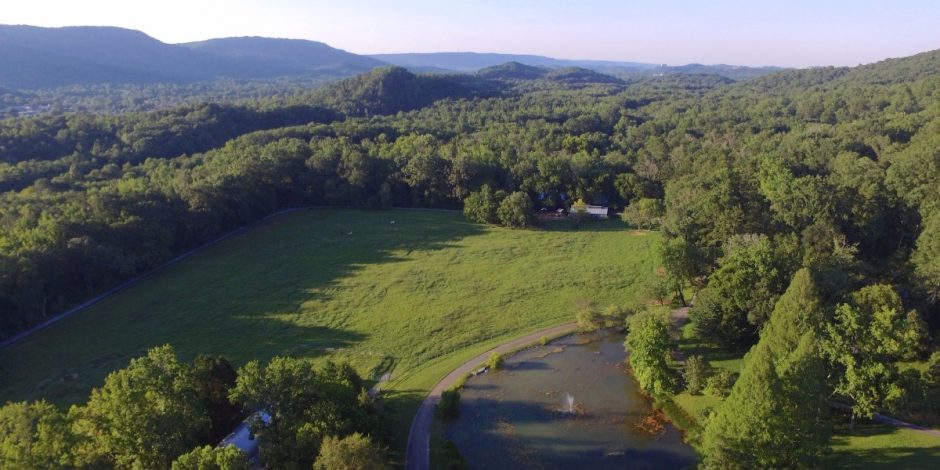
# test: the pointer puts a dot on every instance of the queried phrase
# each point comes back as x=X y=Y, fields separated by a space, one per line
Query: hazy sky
x=746 y=32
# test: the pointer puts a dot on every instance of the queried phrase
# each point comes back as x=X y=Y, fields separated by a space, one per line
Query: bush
x=615 y=316
x=719 y=385
x=461 y=381
x=644 y=213
x=480 y=206
x=449 y=407
x=695 y=373
x=587 y=317
x=495 y=361
x=515 y=211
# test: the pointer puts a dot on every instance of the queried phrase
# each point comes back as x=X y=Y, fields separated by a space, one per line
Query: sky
x=791 y=33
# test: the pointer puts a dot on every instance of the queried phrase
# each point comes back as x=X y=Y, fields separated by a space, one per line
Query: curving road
x=417 y=455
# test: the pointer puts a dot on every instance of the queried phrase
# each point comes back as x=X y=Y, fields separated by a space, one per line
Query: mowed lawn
x=405 y=293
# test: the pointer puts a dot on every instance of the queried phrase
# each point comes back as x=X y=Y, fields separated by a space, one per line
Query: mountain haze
x=469 y=62
x=289 y=55
x=35 y=57
x=42 y=57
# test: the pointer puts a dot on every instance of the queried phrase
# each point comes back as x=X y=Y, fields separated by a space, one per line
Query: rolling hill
x=469 y=62
x=293 y=56
x=36 y=57
x=44 y=57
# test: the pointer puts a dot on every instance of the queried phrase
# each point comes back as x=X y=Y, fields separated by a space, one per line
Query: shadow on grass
x=246 y=298
x=695 y=347
x=401 y=406
x=609 y=225
x=889 y=448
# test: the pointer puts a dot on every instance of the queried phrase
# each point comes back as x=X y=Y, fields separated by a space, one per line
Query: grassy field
x=413 y=299
x=875 y=446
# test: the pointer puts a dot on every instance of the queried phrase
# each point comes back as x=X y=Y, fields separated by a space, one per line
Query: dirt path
x=417 y=456
x=680 y=317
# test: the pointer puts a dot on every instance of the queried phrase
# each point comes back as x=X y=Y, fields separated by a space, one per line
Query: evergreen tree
x=764 y=423
x=775 y=414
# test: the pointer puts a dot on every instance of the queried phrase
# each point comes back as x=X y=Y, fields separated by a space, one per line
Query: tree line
x=160 y=412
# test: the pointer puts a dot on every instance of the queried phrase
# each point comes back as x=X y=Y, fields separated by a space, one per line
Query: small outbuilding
x=598 y=212
x=242 y=438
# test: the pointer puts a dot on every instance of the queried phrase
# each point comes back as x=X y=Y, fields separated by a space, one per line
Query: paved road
x=417 y=455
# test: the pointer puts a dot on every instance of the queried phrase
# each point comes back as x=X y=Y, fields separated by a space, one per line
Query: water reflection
x=569 y=404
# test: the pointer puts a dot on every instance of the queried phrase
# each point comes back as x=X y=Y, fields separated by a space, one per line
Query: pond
x=568 y=404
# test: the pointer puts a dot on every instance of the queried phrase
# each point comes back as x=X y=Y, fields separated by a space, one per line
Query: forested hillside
x=91 y=200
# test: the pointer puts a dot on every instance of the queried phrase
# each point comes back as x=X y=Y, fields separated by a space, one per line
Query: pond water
x=569 y=404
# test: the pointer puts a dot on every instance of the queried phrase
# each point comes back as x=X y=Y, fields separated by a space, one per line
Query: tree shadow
x=609 y=225
x=527 y=365
x=891 y=450
x=252 y=297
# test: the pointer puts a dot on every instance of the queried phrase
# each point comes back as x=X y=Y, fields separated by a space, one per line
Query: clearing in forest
x=403 y=294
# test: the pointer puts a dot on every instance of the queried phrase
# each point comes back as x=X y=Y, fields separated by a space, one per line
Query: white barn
x=598 y=212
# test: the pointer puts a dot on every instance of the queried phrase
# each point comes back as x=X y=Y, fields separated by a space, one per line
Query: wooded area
x=803 y=208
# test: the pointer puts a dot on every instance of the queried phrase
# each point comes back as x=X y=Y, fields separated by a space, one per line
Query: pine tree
x=774 y=417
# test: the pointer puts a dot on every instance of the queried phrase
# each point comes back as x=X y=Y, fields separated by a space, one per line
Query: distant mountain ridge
x=35 y=57
x=471 y=62
x=298 y=55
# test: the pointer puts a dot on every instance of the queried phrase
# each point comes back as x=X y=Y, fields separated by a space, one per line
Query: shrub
x=719 y=385
x=587 y=317
x=644 y=213
x=480 y=206
x=615 y=316
x=495 y=361
x=695 y=373
x=461 y=381
x=515 y=211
